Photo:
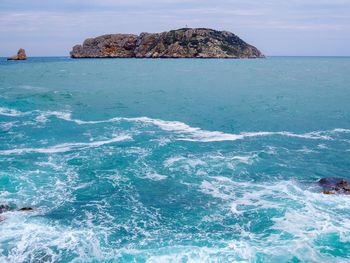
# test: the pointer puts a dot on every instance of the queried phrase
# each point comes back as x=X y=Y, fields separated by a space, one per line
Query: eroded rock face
x=107 y=46
x=21 y=55
x=334 y=186
x=181 y=43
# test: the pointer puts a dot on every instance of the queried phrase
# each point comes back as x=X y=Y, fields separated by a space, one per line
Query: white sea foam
x=155 y=176
x=7 y=125
x=34 y=238
x=322 y=146
x=188 y=133
x=234 y=251
x=306 y=217
x=183 y=131
x=10 y=112
x=65 y=147
x=170 y=161
x=36 y=241
x=43 y=116
x=196 y=134
x=209 y=162
x=243 y=159
x=341 y=130
x=217 y=191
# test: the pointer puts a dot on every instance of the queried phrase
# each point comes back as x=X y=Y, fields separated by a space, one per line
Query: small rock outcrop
x=26 y=209
x=6 y=208
x=181 y=43
x=334 y=186
x=21 y=55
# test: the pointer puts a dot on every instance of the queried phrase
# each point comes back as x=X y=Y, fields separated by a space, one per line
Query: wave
x=63 y=115
x=40 y=241
x=43 y=115
x=307 y=214
x=65 y=147
x=10 y=112
x=338 y=130
x=183 y=130
x=196 y=134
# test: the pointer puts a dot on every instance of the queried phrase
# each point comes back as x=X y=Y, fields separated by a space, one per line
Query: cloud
x=60 y=24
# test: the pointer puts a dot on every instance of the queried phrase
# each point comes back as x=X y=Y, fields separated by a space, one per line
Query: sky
x=276 y=27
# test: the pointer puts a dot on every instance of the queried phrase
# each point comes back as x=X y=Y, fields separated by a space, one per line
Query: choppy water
x=174 y=160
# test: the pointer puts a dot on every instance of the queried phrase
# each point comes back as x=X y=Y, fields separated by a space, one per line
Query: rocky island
x=21 y=55
x=181 y=43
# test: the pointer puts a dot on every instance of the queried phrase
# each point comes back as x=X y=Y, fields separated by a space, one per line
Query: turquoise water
x=174 y=160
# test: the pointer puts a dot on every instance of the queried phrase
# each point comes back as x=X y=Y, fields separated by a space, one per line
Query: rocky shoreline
x=331 y=186
x=181 y=43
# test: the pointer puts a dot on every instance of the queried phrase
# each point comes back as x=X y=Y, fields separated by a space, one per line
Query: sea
x=174 y=160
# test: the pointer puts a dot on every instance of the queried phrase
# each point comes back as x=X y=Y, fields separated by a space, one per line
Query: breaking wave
x=184 y=131
x=65 y=147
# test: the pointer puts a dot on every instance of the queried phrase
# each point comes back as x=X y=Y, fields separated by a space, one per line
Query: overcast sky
x=277 y=27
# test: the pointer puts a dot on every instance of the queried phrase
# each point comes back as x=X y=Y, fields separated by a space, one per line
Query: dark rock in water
x=4 y=208
x=21 y=55
x=26 y=209
x=334 y=186
x=181 y=43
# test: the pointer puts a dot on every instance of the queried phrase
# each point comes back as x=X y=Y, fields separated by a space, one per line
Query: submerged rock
x=26 y=209
x=6 y=208
x=21 y=55
x=181 y=43
x=334 y=186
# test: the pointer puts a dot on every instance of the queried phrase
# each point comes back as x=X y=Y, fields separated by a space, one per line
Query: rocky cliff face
x=21 y=55
x=181 y=43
